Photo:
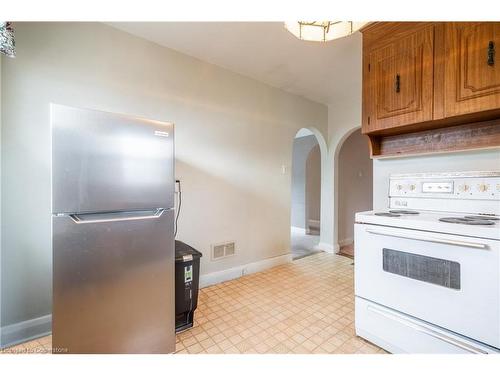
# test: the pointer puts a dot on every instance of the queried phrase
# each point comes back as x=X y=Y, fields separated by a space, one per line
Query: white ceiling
x=266 y=52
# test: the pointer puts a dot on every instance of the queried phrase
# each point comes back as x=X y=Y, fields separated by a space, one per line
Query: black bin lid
x=185 y=253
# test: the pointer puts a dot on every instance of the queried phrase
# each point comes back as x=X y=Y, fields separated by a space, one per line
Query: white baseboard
x=26 y=330
x=346 y=241
x=236 y=272
x=298 y=230
x=327 y=248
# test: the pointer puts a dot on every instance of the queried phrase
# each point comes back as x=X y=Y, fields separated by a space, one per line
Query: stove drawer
x=446 y=280
x=399 y=333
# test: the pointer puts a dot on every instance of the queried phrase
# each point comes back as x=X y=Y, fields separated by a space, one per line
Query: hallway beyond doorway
x=302 y=244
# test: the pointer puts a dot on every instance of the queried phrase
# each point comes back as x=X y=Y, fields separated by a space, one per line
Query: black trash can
x=187 y=280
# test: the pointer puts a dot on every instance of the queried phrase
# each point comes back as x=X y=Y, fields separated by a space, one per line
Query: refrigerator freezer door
x=113 y=283
x=109 y=162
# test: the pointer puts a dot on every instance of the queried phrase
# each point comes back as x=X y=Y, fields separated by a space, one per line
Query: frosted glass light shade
x=7 y=43
x=322 y=31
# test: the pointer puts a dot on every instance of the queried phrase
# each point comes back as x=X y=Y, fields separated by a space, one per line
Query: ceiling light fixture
x=322 y=31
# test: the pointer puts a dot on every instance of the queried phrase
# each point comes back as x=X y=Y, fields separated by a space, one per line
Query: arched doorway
x=355 y=187
x=306 y=194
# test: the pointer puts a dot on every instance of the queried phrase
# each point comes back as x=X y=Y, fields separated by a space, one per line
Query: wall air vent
x=218 y=251
x=223 y=250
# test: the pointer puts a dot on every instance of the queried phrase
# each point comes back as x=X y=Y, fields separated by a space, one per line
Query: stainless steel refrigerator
x=112 y=229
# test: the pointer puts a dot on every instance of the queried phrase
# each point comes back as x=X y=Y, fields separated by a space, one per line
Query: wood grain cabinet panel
x=399 y=82
x=472 y=70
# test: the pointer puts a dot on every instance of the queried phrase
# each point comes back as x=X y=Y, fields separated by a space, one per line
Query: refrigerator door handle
x=116 y=216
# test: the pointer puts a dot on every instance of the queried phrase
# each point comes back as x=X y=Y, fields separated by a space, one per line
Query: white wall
x=233 y=135
x=355 y=183
x=480 y=160
x=344 y=117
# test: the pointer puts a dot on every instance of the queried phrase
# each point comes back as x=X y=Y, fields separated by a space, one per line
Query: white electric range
x=427 y=269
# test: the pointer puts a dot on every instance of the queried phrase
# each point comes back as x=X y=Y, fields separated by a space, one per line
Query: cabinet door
x=472 y=72
x=398 y=82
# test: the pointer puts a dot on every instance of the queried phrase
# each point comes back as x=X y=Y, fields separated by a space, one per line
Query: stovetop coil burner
x=482 y=217
x=388 y=214
x=396 y=213
x=466 y=220
x=404 y=212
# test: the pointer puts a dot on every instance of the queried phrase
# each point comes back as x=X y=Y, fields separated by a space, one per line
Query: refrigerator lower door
x=113 y=283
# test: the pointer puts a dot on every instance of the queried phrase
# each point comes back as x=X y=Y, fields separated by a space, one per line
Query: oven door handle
x=427 y=331
x=475 y=245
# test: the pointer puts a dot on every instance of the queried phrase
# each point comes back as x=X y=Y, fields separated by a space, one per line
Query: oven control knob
x=464 y=188
x=399 y=187
x=483 y=187
x=412 y=187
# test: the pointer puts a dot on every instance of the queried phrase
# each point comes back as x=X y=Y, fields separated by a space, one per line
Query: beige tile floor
x=306 y=306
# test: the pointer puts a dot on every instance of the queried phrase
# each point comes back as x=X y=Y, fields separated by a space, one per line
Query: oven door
x=450 y=281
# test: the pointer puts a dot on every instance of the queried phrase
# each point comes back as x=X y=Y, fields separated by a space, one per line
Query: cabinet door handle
x=397 y=83
x=491 y=53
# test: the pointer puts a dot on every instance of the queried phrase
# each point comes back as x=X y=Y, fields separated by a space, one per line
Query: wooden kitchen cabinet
x=472 y=70
x=431 y=86
x=399 y=79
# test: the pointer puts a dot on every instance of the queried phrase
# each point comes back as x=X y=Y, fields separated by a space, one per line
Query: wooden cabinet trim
x=439 y=71
x=379 y=34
